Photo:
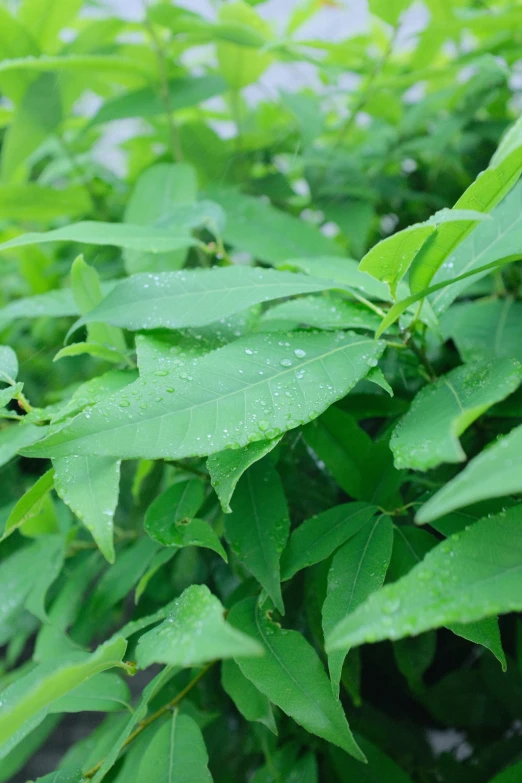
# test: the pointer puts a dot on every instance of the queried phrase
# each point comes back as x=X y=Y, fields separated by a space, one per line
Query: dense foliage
x=260 y=404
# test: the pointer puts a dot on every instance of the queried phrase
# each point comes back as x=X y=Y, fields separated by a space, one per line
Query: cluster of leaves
x=245 y=354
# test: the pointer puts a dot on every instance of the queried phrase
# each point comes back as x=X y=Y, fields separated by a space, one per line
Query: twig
x=155 y=715
x=174 y=142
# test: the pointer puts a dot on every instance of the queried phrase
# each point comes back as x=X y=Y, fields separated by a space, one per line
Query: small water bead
x=124 y=404
x=286 y=362
x=170 y=389
x=161 y=373
x=249 y=351
x=300 y=353
x=372 y=362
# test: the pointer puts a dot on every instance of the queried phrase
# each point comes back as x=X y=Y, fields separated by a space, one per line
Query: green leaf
x=158 y=189
x=197 y=297
x=322 y=312
x=227 y=467
x=492 y=474
x=343 y=270
x=318 y=537
x=380 y=767
x=484 y=632
x=178 y=504
x=509 y=775
x=8 y=364
x=428 y=434
x=183 y=92
x=196 y=532
x=291 y=675
x=471 y=575
x=483 y=329
x=38 y=115
x=343 y=446
x=87 y=293
x=194 y=633
x=358 y=569
x=251 y=389
x=484 y=194
x=160 y=559
x=28 y=700
x=390 y=259
x=389 y=12
x=258 y=527
x=30 y=503
x=16 y=437
x=112 y=64
x=177 y=752
x=250 y=702
x=489 y=241
x=269 y=234
x=90 y=232
x=68 y=775
x=89 y=485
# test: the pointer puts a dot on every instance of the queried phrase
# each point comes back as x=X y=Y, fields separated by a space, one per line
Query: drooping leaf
x=27 y=701
x=194 y=633
x=251 y=703
x=471 y=575
x=251 y=389
x=196 y=297
x=491 y=474
x=318 y=537
x=257 y=529
x=106 y=692
x=89 y=485
x=358 y=569
x=227 y=467
x=428 y=434
x=291 y=675
x=177 y=752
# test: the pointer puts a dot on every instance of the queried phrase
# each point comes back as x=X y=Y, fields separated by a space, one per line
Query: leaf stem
x=164 y=90
x=142 y=725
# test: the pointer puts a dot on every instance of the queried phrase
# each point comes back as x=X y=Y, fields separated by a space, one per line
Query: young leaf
x=471 y=575
x=489 y=241
x=316 y=538
x=428 y=434
x=491 y=474
x=194 y=633
x=358 y=569
x=345 y=271
x=196 y=297
x=27 y=701
x=194 y=532
x=178 y=505
x=291 y=675
x=89 y=485
x=251 y=389
x=29 y=504
x=258 y=527
x=227 y=467
x=103 y=352
x=484 y=194
x=250 y=702
x=177 y=752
